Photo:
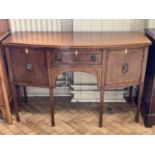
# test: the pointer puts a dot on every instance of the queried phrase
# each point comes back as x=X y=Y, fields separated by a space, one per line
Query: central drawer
x=77 y=56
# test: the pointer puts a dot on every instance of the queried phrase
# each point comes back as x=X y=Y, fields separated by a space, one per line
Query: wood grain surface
x=77 y=39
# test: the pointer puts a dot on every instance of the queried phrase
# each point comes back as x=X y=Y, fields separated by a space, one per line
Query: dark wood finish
x=5 y=93
x=117 y=59
x=95 y=71
x=14 y=92
x=101 y=87
x=29 y=65
x=51 y=86
x=25 y=94
x=101 y=107
x=1 y=96
x=148 y=103
x=77 y=39
x=130 y=94
x=124 y=65
x=77 y=57
x=141 y=86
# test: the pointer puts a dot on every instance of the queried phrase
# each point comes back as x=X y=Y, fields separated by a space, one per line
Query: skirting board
x=88 y=95
x=58 y=91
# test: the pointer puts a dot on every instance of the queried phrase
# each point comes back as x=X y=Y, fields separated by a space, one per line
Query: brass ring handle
x=93 y=57
x=29 y=67
x=58 y=57
x=125 y=68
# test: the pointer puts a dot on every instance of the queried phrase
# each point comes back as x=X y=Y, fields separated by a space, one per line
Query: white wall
x=151 y=23
x=109 y=24
x=40 y=25
x=79 y=24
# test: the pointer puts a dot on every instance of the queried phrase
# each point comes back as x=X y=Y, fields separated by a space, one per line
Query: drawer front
x=77 y=57
x=29 y=65
x=124 y=66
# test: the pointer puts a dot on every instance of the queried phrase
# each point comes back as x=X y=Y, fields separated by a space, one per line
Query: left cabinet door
x=29 y=65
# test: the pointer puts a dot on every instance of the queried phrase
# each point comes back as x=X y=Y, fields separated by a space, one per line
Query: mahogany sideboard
x=5 y=92
x=148 y=103
x=117 y=59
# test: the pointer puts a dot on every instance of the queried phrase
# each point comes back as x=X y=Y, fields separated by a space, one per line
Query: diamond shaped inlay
x=76 y=52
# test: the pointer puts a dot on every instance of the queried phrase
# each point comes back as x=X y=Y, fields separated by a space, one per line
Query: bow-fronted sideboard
x=117 y=59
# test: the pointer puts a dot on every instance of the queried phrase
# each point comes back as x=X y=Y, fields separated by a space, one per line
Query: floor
x=75 y=119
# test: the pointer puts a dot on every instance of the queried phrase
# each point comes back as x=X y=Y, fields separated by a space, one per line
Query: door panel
x=29 y=65
x=124 y=66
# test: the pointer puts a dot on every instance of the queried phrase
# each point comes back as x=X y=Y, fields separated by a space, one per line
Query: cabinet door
x=124 y=66
x=29 y=65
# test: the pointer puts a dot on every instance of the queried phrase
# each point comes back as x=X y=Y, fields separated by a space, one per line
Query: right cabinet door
x=124 y=66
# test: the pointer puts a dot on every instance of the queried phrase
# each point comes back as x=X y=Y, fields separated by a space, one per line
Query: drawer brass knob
x=26 y=51
x=76 y=52
x=93 y=57
x=29 y=67
x=125 y=68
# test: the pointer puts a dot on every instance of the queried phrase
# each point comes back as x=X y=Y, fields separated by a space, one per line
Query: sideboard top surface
x=77 y=39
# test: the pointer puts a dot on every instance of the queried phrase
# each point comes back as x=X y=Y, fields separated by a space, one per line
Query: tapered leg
x=130 y=93
x=18 y=94
x=25 y=94
x=15 y=101
x=130 y=99
x=52 y=107
x=101 y=107
x=139 y=102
